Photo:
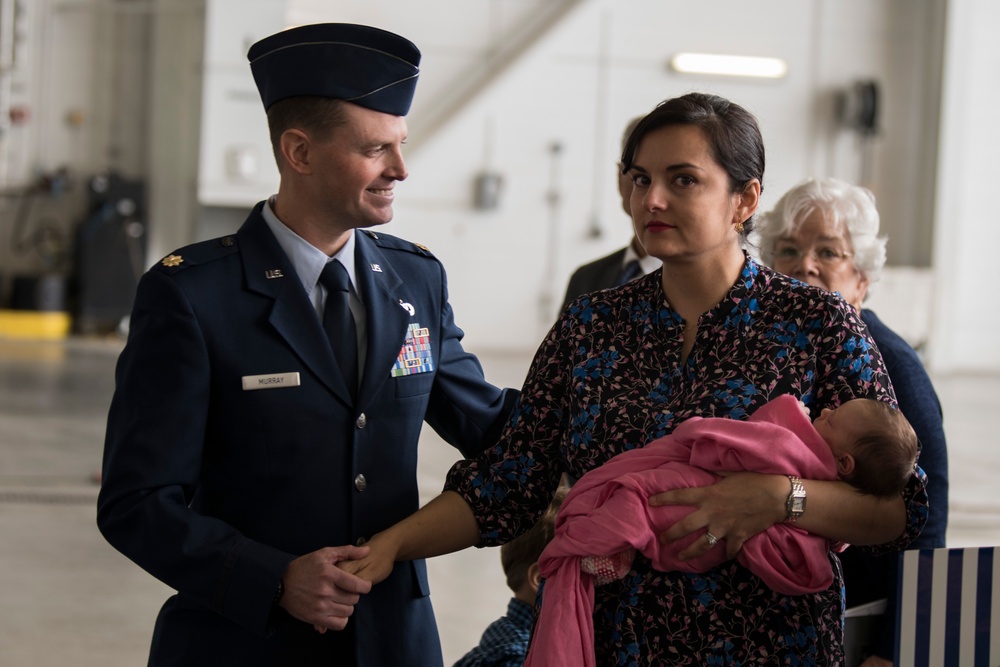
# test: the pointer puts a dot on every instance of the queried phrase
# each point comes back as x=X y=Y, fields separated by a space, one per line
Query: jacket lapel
x=387 y=318
x=292 y=316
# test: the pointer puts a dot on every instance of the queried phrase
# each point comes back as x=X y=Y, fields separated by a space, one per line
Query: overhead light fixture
x=711 y=63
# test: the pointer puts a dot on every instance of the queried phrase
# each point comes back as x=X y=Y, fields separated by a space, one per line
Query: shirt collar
x=648 y=264
x=737 y=307
x=307 y=260
x=520 y=613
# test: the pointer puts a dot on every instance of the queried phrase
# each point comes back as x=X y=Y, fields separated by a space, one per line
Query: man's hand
x=320 y=593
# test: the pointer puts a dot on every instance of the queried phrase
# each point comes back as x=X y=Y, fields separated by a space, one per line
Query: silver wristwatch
x=795 y=506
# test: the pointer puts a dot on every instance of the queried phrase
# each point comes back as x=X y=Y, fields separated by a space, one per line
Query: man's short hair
x=316 y=116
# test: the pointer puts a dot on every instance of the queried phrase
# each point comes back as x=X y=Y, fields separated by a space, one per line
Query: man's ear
x=534 y=577
x=295 y=146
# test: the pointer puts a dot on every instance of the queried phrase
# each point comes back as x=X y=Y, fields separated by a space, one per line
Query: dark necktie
x=339 y=322
x=631 y=271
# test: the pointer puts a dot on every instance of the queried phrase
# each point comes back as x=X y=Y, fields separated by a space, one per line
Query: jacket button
x=361 y=542
x=362 y=421
x=360 y=483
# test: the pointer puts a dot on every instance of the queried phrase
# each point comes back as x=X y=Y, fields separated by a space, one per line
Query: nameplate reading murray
x=275 y=381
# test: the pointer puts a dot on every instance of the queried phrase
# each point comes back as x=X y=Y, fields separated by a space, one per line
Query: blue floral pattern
x=609 y=377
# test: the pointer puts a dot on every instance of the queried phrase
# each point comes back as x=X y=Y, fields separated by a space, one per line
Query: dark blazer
x=600 y=274
x=214 y=489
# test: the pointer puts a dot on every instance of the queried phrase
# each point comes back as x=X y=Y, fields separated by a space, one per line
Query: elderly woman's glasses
x=824 y=254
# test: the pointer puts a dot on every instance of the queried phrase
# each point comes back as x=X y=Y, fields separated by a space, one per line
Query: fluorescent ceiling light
x=710 y=63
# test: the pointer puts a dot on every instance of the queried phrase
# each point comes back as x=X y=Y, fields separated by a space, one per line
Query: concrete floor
x=69 y=598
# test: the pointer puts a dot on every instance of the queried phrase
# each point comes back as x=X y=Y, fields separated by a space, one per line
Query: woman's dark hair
x=885 y=453
x=732 y=133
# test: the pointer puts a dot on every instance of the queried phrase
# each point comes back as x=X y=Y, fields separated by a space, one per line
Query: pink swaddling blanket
x=607 y=512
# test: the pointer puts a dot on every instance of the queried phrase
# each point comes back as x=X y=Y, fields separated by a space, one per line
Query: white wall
x=138 y=85
x=79 y=83
x=966 y=301
x=176 y=59
x=507 y=278
x=236 y=163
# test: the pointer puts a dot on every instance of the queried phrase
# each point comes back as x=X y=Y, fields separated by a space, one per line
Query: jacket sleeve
x=919 y=403
x=154 y=449
x=464 y=409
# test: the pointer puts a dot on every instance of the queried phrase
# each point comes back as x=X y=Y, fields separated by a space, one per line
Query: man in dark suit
x=622 y=265
x=271 y=394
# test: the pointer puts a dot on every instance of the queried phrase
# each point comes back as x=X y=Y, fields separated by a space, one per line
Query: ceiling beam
x=479 y=75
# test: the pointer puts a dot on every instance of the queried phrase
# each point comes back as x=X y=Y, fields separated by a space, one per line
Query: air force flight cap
x=370 y=67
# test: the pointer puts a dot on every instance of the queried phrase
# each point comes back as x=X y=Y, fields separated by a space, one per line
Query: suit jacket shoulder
x=197 y=253
x=592 y=276
x=390 y=242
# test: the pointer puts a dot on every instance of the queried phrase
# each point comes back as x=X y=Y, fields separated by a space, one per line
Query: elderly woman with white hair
x=825 y=233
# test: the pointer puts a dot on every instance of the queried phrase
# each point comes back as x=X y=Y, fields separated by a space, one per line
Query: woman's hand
x=733 y=509
x=376 y=566
x=443 y=525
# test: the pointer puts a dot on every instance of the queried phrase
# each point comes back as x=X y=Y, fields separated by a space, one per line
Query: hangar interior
x=129 y=128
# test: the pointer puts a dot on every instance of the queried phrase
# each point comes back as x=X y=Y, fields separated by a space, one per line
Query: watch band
x=795 y=504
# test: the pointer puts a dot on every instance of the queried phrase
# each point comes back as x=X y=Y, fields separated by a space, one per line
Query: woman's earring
x=739 y=228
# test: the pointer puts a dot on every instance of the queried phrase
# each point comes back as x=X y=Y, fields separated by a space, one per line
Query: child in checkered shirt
x=505 y=641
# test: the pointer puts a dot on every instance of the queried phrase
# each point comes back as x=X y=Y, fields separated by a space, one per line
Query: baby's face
x=842 y=426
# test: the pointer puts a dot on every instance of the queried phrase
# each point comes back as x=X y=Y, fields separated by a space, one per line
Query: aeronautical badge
x=415 y=355
x=172 y=260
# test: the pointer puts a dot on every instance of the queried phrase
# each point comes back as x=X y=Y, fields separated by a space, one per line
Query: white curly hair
x=850 y=208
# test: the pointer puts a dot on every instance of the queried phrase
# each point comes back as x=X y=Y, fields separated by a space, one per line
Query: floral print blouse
x=609 y=377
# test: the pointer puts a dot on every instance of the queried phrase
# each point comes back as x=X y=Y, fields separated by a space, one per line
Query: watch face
x=798 y=505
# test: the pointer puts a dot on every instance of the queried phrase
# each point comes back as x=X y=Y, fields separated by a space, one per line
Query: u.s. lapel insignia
x=415 y=355
x=408 y=307
x=376 y=268
x=172 y=260
x=274 y=273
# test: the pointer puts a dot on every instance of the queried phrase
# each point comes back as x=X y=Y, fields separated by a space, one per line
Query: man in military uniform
x=274 y=383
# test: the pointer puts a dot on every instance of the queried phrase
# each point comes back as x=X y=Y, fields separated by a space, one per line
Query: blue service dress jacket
x=233 y=445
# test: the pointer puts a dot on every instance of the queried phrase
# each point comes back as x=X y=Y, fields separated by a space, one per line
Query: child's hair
x=520 y=553
x=886 y=453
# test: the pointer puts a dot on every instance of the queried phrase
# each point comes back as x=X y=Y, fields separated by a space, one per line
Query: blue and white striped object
x=949 y=608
